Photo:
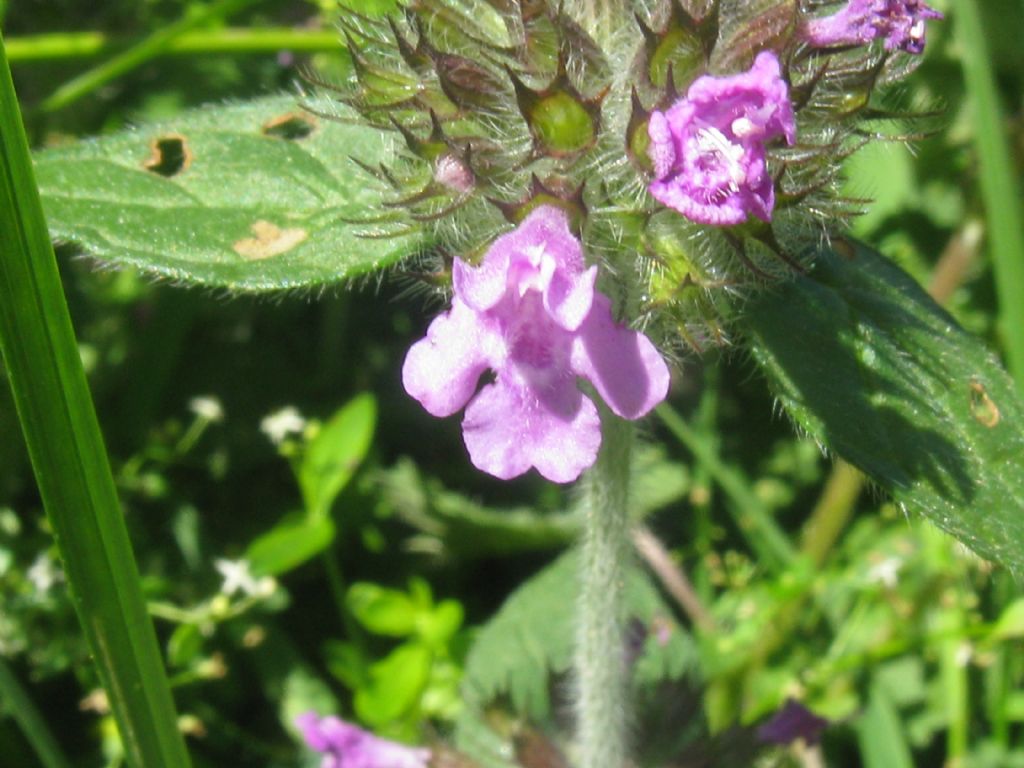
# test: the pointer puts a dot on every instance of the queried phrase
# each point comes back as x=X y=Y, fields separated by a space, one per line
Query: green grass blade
x=55 y=46
x=752 y=517
x=70 y=460
x=89 y=81
x=23 y=710
x=1000 y=190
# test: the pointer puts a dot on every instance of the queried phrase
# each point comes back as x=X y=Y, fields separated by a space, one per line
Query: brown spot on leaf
x=982 y=408
x=269 y=240
x=169 y=156
x=291 y=126
x=844 y=248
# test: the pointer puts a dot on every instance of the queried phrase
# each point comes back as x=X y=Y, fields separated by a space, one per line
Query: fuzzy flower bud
x=347 y=746
x=708 y=149
x=900 y=22
x=530 y=313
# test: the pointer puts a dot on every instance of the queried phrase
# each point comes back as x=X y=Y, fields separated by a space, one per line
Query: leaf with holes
x=249 y=197
x=865 y=361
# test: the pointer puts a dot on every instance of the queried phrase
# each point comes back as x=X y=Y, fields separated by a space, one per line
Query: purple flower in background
x=900 y=22
x=347 y=746
x=794 y=721
x=708 y=149
x=529 y=313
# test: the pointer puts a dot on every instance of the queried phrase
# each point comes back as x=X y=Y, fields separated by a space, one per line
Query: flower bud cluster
x=695 y=146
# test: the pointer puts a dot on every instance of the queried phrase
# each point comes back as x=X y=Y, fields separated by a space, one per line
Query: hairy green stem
x=233 y=40
x=599 y=664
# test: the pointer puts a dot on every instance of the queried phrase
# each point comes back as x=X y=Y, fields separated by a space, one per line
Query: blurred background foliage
x=308 y=538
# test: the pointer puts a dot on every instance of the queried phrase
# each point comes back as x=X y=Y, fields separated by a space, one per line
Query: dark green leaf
x=867 y=363
x=250 y=197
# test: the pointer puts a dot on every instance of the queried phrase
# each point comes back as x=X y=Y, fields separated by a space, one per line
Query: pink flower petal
x=510 y=427
x=708 y=149
x=442 y=370
x=623 y=365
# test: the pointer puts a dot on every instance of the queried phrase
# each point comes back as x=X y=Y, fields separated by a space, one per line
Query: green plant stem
x=23 y=709
x=124 y=62
x=832 y=512
x=228 y=40
x=752 y=517
x=599 y=666
x=70 y=460
x=1000 y=189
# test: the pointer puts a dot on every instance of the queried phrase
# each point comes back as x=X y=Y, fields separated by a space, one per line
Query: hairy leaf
x=249 y=197
x=877 y=372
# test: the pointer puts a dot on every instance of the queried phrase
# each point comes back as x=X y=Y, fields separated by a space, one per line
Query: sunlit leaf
x=289 y=544
x=249 y=197
x=335 y=452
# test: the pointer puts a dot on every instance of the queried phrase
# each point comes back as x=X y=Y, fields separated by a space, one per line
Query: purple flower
x=529 y=313
x=794 y=721
x=708 y=149
x=347 y=746
x=900 y=22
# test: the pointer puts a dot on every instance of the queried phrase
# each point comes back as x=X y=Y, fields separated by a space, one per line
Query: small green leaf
x=437 y=627
x=348 y=663
x=382 y=611
x=1011 y=622
x=880 y=734
x=396 y=684
x=289 y=544
x=867 y=363
x=184 y=644
x=250 y=197
x=334 y=454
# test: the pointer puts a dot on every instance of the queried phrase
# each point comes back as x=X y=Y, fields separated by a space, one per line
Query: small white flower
x=207 y=407
x=964 y=654
x=279 y=424
x=886 y=571
x=239 y=578
x=43 y=573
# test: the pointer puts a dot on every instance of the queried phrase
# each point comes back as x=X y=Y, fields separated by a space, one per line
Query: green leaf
x=1011 y=622
x=289 y=544
x=877 y=372
x=435 y=628
x=396 y=683
x=382 y=611
x=333 y=455
x=880 y=734
x=348 y=663
x=532 y=638
x=249 y=197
